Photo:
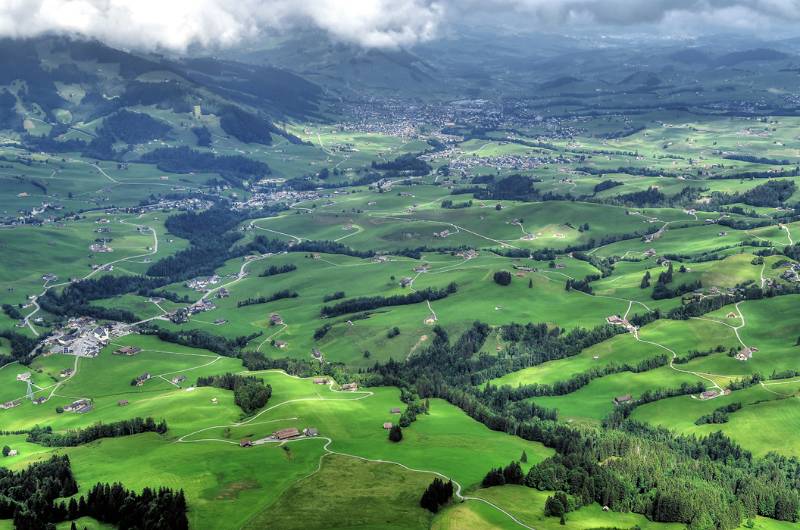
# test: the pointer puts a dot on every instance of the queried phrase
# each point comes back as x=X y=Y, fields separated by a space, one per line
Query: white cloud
x=178 y=24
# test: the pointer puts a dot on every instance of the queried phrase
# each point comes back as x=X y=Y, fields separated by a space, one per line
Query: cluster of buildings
x=792 y=274
x=83 y=337
x=80 y=406
x=100 y=248
x=745 y=353
x=140 y=380
x=10 y=404
x=617 y=320
x=182 y=314
x=203 y=285
x=468 y=254
x=264 y=195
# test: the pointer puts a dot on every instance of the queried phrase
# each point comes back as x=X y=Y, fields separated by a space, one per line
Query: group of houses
x=617 y=320
x=100 y=248
x=745 y=353
x=11 y=404
x=140 y=379
x=182 y=314
x=80 y=406
x=83 y=337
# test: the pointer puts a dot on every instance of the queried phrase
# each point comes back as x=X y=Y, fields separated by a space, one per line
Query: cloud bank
x=176 y=25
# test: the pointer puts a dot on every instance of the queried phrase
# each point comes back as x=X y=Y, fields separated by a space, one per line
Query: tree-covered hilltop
x=249 y=393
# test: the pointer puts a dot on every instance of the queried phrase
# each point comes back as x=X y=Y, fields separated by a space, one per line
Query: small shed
x=387 y=425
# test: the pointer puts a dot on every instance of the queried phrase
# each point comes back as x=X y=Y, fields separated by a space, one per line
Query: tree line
x=278 y=295
x=45 y=435
x=274 y=270
x=367 y=303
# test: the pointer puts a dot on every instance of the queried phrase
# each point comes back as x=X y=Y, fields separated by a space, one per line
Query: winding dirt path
x=328 y=441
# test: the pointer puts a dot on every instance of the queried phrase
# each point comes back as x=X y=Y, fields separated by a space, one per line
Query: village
x=83 y=337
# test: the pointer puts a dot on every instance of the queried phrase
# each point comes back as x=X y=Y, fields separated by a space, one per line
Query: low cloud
x=178 y=24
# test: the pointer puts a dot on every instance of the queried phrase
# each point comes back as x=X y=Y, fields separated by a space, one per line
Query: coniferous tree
x=396 y=433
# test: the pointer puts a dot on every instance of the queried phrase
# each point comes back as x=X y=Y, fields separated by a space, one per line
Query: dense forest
x=132 y=127
x=772 y=193
x=245 y=127
x=233 y=168
x=404 y=163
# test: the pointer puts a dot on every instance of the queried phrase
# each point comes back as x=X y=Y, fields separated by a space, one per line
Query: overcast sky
x=175 y=25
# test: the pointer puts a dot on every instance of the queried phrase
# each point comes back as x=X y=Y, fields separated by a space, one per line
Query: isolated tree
x=524 y=457
x=530 y=283
x=645 y=280
x=502 y=278
x=395 y=433
x=6 y=450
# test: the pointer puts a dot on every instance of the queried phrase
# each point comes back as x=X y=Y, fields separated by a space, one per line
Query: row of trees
x=161 y=509
x=263 y=244
x=274 y=270
x=367 y=303
x=719 y=415
x=195 y=338
x=278 y=295
x=567 y=386
x=45 y=435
